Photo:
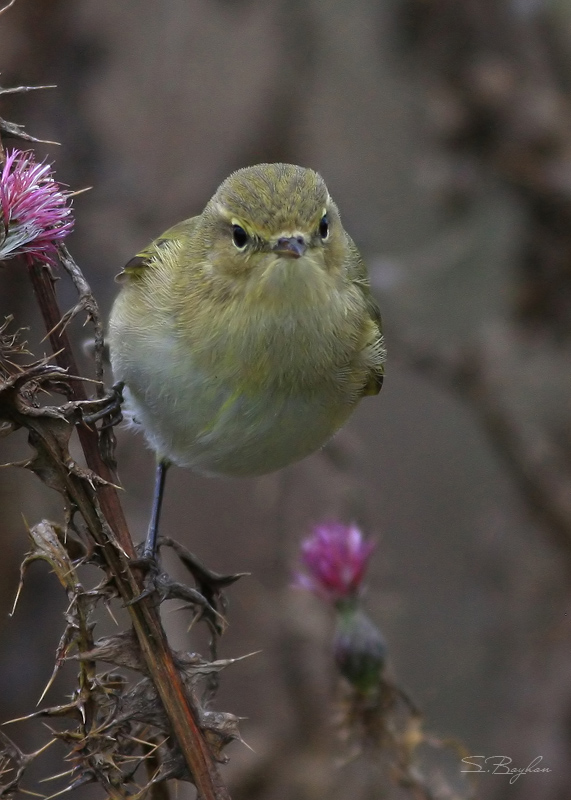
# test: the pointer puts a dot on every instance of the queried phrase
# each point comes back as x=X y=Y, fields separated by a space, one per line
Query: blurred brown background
x=443 y=130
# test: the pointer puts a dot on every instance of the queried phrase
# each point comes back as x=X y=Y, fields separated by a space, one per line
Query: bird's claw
x=106 y=408
x=149 y=566
x=158 y=582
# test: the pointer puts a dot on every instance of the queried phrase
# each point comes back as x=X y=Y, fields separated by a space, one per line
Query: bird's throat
x=293 y=281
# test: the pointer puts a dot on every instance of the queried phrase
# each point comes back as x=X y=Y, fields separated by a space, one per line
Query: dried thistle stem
x=144 y=616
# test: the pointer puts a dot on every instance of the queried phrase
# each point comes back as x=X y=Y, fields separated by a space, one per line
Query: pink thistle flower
x=336 y=558
x=34 y=210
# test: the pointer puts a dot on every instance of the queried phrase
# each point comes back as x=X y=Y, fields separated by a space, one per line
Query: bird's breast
x=294 y=329
x=247 y=384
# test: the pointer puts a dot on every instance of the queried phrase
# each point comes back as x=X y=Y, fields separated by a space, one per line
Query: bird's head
x=271 y=221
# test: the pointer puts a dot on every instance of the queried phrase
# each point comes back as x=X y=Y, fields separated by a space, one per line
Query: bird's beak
x=293 y=246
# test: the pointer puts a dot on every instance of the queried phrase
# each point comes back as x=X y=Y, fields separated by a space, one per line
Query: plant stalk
x=144 y=615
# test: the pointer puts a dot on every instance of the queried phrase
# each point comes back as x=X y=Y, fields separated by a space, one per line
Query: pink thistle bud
x=336 y=557
x=34 y=210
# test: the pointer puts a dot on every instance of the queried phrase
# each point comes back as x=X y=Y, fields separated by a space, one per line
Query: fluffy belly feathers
x=216 y=430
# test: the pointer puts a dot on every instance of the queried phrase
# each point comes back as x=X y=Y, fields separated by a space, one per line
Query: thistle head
x=34 y=209
x=336 y=558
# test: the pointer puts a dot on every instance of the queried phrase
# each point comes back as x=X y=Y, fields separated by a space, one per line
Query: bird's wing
x=135 y=267
x=360 y=278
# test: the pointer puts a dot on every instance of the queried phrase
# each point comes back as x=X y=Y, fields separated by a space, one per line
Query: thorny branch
x=11 y=128
x=93 y=513
x=50 y=429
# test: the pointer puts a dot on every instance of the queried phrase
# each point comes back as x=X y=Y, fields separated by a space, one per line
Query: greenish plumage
x=247 y=335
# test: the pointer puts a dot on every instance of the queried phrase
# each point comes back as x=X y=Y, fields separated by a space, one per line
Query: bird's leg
x=207 y=599
x=150 y=549
x=159 y=583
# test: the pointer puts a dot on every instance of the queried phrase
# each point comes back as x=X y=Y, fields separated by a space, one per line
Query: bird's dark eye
x=239 y=237
x=324 y=227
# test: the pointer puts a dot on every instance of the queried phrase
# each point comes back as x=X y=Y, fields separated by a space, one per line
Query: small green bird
x=247 y=335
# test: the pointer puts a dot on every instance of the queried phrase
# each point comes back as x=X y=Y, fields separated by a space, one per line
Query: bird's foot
x=204 y=600
x=107 y=408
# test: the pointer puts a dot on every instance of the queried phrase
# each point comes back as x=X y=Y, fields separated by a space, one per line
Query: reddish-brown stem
x=43 y=284
x=146 y=622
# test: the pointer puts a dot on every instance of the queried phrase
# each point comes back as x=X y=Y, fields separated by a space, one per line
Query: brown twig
x=7 y=6
x=118 y=550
